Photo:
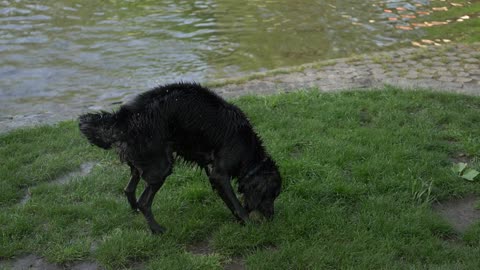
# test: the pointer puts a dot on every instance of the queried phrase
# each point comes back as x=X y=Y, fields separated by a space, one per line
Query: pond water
x=57 y=50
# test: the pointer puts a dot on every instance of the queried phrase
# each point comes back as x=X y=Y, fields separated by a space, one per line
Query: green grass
x=466 y=31
x=361 y=171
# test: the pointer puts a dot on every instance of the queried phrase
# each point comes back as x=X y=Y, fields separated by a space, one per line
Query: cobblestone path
x=455 y=68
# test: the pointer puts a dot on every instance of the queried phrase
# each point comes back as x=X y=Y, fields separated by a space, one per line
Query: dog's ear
x=254 y=192
x=252 y=200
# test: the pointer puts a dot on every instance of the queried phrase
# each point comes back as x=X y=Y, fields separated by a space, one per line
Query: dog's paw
x=157 y=229
x=242 y=221
x=134 y=208
x=256 y=217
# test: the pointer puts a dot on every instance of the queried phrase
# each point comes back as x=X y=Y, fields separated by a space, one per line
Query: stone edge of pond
x=450 y=68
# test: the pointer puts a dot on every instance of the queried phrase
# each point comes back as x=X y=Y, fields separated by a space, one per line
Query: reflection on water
x=100 y=49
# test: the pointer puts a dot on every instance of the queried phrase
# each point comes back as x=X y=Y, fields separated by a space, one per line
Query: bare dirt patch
x=26 y=197
x=29 y=262
x=236 y=263
x=460 y=213
x=204 y=248
x=34 y=262
x=200 y=248
x=85 y=266
x=460 y=157
x=84 y=169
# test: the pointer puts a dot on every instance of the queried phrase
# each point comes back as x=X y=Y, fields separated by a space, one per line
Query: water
x=69 y=52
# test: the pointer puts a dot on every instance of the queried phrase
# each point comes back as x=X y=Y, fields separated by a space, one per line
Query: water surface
x=75 y=52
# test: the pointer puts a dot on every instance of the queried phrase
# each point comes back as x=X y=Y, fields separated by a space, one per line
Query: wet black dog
x=188 y=121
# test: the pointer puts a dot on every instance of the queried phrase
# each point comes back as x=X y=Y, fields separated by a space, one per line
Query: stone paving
x=453 y=68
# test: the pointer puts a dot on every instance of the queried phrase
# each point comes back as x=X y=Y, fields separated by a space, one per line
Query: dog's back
x=193 y=118
x=185 y=106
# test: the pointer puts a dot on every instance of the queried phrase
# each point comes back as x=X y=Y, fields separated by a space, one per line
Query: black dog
x=191 y=122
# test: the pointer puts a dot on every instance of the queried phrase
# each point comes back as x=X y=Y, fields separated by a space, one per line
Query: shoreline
x=449 y=68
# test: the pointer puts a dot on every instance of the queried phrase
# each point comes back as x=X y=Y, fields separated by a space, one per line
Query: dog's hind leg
x=145 y=205
x=132 y=187
x=221 y=183
x=155 y=177
x=207 y=169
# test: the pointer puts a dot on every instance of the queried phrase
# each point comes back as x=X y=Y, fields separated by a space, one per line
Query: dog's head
x=98 y=128
x=261 y=189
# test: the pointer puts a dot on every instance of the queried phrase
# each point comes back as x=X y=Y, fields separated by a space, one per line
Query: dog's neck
x=253 y=170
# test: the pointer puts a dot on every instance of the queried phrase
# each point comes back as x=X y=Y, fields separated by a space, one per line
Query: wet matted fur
x=191 y=122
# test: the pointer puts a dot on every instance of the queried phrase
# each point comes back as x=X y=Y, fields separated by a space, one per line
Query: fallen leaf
x=470 y=174
x=414 y=43
x=423 y=12
x=459 y=167
x=419 y=25
x=387 y=11
x=438 y=23
x=446 y=40
x=408 y=16
x=466 y=17
x=427 y=41
x=459 y=20
x=456 y=4
x=400 y=8
x=418 y=5
x=392 y=19
x=402 y=27
x=371 y=21
x=429 y=24
x=439 y=8
x=437 y=44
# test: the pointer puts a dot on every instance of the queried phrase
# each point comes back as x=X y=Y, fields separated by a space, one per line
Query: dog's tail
x=99 y=128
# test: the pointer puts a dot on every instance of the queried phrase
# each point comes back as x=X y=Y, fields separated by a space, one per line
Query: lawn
x=361 y=171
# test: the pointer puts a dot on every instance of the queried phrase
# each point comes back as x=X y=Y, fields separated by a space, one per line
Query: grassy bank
x=361 y=171
x=459 y=28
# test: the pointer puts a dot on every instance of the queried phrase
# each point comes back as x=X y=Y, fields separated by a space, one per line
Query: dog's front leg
x=222 y=184
x=132 y=187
